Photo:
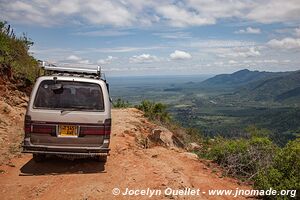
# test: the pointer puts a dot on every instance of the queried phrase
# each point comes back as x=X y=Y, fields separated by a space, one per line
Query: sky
x=161 y=37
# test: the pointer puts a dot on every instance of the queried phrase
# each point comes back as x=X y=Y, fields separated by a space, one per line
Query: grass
x=15 y=60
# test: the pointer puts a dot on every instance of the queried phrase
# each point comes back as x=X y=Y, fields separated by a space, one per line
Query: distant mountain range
x=240 y=78
x=260 y=86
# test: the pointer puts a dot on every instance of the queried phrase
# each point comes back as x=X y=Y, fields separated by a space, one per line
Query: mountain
x=248 y=85
x=239 y=78
x=283 y=88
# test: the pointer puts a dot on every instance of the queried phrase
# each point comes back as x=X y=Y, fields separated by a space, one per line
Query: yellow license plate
x=67 y=130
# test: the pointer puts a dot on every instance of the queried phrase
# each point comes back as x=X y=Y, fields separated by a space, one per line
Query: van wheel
x=39 y=157
x=101 y=159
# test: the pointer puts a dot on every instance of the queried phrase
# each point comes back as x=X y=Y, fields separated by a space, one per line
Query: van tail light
x=44 y=129
x=27 y=125
x=97 y=130
x=92 y=130
x=107 y=126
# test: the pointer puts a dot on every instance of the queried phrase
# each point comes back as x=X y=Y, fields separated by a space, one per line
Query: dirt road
x=129 y=166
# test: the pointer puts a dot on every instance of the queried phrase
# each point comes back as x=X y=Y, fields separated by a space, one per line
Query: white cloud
x=180 y=17
x=173 y=35
x=220 y=63
x=73 y=58
x=236 y=52
x=119 y=13
x=232 y=62
x=270 y=61
x=249 y=30
x=143 y=58
x=286 y=43
x=271 y=11
x=180 y=55
x=103 y=33
x=107 y=60
x=86 y=61
x=53 y=12
x=107 y=12
x=205 y=44
x=297 y=32
x=77 y=59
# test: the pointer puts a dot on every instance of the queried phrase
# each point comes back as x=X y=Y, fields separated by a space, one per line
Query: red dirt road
x=129 y=166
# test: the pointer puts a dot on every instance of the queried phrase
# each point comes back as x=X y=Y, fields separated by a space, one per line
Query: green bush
x=256 y=158
x=284 y=174
x=14 y=57
x=154 y=111
x=121 y=104
x=242 y=158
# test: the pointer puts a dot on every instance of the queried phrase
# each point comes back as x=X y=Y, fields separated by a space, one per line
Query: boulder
x=193 y=147
x=163 y=137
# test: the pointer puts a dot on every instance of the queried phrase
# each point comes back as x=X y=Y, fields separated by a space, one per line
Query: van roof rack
x=52 y=69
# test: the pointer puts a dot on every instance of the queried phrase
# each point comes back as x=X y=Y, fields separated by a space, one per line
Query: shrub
x=154 y=111
x=14 y=56
x=284 y=174
x=242 y=158
x=121 y=104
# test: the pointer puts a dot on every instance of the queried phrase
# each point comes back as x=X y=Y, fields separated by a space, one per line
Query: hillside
x=239 y=78
x=17 y=65
x=131 y=164
x=283 y=88
x=248 y=85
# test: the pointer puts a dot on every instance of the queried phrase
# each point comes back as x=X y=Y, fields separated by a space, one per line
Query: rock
x=159 y=137
x=190 y=155
x=163 y=137
x=193 y=147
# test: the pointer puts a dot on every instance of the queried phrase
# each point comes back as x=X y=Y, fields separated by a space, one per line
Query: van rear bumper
x=66 y=150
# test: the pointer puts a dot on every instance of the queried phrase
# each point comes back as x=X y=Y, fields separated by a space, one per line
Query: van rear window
x=69 y=95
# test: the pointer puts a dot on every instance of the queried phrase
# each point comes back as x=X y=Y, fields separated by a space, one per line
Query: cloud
x=297 y=32
x=53 y=12
x=180 y=55
x=236 y=52
x=220 y=43
x=248 y=30
x=107 y=60
x=272 y=11
x=86 y=61
x=286 y=43
x=103 y=33
x=173 y=35
x=232 y=62
x=73 y=58
x=180 y=17
x=119 y=13
x=143 y=58
x=77 y=59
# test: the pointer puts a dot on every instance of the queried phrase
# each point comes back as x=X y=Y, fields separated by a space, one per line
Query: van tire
x=102 y=159
x=38 y=157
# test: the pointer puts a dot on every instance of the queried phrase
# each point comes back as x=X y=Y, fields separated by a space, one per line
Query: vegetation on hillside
x=120 y=103
x=15 y=60
x=258 y=160
x=243 y=157
x=154 y=111
x=255 y=157
x=284 y=173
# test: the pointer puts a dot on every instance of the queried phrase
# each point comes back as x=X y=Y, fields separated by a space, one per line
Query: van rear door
x=69 y=113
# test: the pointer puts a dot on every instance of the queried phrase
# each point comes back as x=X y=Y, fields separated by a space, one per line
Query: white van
x=69 y=113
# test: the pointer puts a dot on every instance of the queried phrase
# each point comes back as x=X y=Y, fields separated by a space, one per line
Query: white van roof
x=51 y=69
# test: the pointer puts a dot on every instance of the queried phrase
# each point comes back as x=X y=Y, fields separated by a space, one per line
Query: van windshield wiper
x=74 y=109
